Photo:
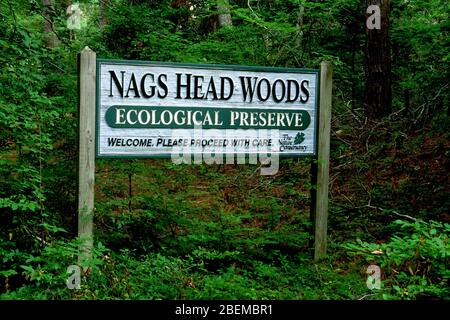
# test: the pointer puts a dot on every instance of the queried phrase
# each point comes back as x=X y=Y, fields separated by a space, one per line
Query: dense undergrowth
x=166 y=231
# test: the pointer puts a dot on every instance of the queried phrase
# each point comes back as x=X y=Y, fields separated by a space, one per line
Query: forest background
x=166 y=231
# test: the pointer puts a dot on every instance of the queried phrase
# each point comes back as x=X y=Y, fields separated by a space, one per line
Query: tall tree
x=103 y=17
x=377 y=59
x=224 y=16
x=51 y=40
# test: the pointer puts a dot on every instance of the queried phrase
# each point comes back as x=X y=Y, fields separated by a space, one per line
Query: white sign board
x=148 y=109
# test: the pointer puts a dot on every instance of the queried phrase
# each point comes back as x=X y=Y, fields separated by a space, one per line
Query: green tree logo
x=299 y=138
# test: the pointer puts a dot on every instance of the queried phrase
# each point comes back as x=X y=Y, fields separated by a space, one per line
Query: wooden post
x=86 y=151
x=323 y=155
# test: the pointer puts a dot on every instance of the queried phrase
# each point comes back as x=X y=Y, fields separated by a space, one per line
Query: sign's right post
x=323 y=161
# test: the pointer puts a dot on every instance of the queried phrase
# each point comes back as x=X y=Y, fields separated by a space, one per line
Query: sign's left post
x=86 y=151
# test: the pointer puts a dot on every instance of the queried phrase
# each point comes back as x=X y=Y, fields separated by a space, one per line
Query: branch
x=368 y=295
x=428 y=103
x=56 y=66
x=14 y=16
x=257 y=17
x=393 y=211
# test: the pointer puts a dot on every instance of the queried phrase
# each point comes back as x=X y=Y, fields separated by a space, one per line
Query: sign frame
x=88 y=98
x=100 y=61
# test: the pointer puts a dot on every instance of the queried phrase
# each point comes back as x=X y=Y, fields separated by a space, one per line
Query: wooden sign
x=146 y=109
x=143 y=109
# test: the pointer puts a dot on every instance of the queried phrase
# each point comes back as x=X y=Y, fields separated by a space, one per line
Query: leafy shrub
x=414 y=262
x=46 y=274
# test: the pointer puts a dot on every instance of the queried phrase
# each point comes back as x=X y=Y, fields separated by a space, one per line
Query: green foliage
x=165 y=231
x=414 y=262
x=420 y=48
x=46 y=274
x=37 y=104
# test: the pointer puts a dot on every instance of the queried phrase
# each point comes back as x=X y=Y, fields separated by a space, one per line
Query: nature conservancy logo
x=288 y=142
x=299 y=138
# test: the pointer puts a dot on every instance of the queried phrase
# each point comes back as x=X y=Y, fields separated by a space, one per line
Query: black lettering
x=152 y=88
x=211 y=89
x=198 y=87
x=297 y=89
x=249 y=88
x=163 y=86
x=133 y=86
x=112 y=142
x=222 y=85
x=305 y=91
x=119 y=85
x=274 y=91
x=187 y=86
x=259 y=93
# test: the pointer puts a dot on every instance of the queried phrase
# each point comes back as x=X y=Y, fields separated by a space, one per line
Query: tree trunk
x=103 y=18
x=378 y=64
x=51 y=40
x=224 y=15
